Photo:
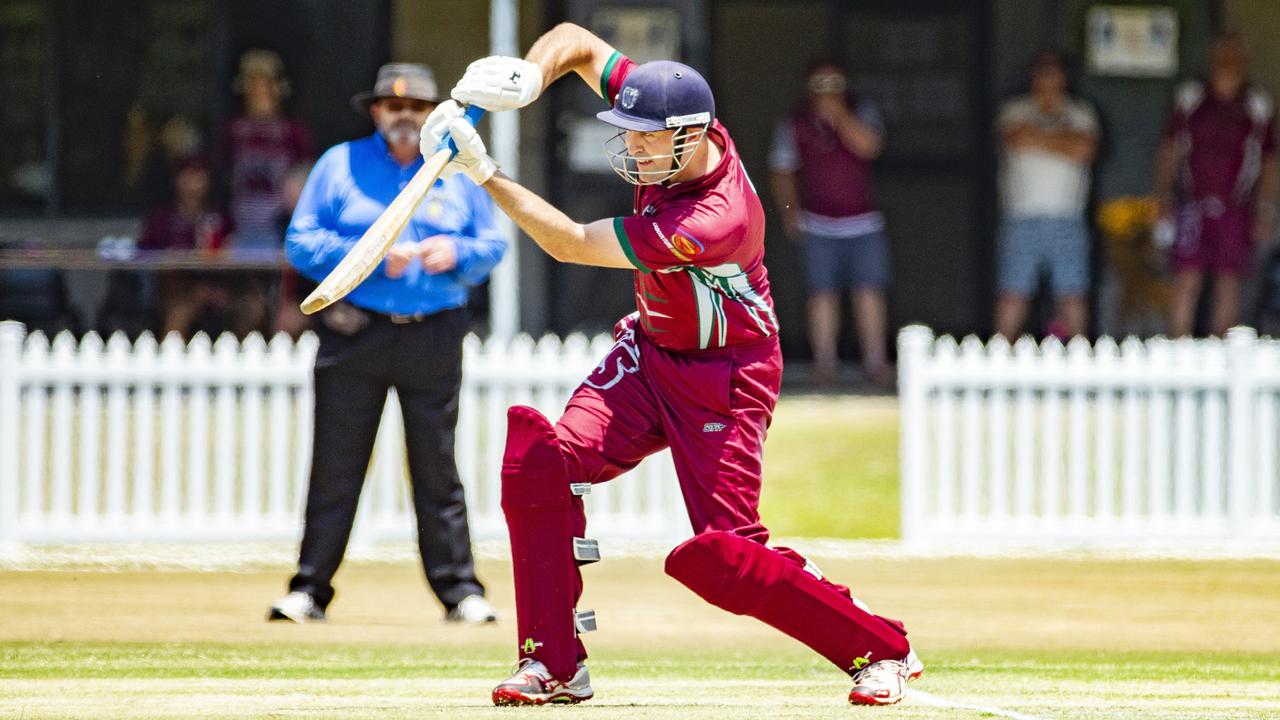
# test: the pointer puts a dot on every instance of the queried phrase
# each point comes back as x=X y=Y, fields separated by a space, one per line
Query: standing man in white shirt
x=1050 y=140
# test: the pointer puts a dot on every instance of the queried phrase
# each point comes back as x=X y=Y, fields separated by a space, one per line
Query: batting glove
x=436 y=127
x=499 y=83
x=472 y=159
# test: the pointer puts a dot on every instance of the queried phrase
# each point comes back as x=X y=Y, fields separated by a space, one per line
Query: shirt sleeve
x=312 y=244
x=783 y=155
x=482 y=244
x=679 y=237
x=1186 y=98
x=615 y=71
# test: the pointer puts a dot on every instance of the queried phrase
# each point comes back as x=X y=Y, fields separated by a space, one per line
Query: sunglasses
x=398 y=105
x=827 y=83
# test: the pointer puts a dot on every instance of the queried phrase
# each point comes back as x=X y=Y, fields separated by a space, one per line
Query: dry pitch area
x=1012 y=638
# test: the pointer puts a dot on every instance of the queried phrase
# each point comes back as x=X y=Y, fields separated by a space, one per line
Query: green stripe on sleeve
x=604 y=76
x=625 y=242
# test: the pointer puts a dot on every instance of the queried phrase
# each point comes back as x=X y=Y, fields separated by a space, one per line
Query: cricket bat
x=376 y=242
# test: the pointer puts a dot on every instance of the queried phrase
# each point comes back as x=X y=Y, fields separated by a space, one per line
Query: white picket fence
x=211 y=441
x=1163 y=443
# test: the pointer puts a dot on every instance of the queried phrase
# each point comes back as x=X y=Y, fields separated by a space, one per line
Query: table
x=153 y=260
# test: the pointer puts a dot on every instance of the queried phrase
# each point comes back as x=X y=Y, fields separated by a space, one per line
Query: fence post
x=1241 y=389
x=914 y=343
x=11 y=336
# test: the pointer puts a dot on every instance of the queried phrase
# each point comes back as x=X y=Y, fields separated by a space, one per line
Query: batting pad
x=747 y=578
x=544 y=519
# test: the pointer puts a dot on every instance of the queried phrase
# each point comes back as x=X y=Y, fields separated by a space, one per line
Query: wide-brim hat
x=399 y=80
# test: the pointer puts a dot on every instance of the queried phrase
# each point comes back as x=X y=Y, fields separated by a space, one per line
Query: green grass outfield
x=1059 y=638
x=1026 y=638
x=831 y=468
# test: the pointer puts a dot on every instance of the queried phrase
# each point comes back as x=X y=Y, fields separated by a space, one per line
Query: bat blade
x=373 y=246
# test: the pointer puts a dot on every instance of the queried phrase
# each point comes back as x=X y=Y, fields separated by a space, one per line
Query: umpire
x=402 y=328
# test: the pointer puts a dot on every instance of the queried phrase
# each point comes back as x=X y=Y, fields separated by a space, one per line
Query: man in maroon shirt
x=1216 y=179
x=821 y=162
x=260 y=146
x=695 y=369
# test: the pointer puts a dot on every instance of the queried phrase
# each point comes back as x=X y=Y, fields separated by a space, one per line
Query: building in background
x=80 y=128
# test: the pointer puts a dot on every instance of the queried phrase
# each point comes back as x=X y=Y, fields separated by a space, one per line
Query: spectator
x=401 y=328
x=1216 y=181
x=193 y=222
x=821 y=162
x=1049 y=139
x=260 y=146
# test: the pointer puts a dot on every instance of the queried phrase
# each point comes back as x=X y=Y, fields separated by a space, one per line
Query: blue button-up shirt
x=349 y=188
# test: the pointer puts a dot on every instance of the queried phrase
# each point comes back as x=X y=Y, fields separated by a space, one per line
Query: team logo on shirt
x=681 y=244
x=686 y=244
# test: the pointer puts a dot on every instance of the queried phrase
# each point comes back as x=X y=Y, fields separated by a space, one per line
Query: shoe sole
x=276 y=615
x=490 y=620
x=504 y=697
x=860 y=699
x=915 y=670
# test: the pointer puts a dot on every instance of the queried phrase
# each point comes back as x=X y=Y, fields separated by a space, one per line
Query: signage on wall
x=642 y=33
x=1132 y=41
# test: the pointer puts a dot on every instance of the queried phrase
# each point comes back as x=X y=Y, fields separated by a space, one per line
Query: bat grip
x=473 y=115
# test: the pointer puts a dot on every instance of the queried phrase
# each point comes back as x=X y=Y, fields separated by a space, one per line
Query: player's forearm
x=568 y=48
x=552 y=230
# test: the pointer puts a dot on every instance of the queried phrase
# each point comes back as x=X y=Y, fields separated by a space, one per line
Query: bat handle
x=473 y=115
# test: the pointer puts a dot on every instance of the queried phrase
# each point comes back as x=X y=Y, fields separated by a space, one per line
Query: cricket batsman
x=696 y=369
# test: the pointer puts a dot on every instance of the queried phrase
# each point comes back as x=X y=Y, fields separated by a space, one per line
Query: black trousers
x=354 y=369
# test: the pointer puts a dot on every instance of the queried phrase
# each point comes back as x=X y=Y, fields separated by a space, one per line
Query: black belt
x=402 y=319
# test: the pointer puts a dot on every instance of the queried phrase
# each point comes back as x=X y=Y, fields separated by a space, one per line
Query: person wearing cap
x=695 y=369
x=822 y=181
x=259 y=147
x=401 y=328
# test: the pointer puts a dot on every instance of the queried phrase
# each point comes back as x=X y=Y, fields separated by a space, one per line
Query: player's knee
x=724 y=569
x=533 y=469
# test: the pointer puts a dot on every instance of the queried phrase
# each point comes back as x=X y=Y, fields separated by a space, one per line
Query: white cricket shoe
x=533 y=684
x=297 y=606
x=473 y=610
x=885 y=682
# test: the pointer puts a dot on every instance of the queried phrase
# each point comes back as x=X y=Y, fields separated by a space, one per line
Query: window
x=98 y=96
